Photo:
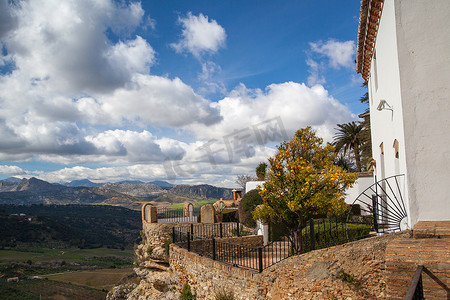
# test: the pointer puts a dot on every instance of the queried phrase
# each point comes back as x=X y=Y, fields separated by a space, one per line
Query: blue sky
x=183 y=91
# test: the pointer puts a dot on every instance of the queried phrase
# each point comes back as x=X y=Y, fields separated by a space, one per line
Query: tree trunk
x=357 y=158
x=295 y=238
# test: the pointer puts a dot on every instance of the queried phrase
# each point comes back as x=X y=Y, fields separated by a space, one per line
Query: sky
x=190 y=92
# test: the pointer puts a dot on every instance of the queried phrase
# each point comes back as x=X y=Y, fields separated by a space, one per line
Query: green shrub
x=247 y=205
x=223 y=295
x=142 y=237
x=167 y=246
x=261 y=171
x=346 y=277
x=149 y=250
x=186 y=293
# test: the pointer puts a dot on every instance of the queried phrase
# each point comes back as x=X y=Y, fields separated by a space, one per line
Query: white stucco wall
x=413 y=73
x=251 y=185
x=387 y=125
x=358 y=187
x=423 y=38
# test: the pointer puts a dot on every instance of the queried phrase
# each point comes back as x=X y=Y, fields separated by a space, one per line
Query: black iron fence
x=216 y=230
x=415 y=291
x=332 y=231
x=177 y=215
x=204 y=239
x=211 y=247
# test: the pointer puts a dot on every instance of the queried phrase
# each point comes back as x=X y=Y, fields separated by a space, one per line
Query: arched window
x=395 y=145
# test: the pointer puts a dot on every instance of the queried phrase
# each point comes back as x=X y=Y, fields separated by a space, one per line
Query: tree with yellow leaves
x=303 y=182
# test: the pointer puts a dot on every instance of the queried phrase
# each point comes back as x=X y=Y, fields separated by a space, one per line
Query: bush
x=223 y=295
x=186 y=293
x=277 y=231
x=251 y=200
x=167 y=246
x=346 y=277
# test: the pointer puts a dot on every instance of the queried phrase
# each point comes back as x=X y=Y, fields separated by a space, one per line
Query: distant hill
x=163 y=184
x=137 y=190
x=12 y=179
x=202 y=191
x=36 y=191
x=131 y=181
x=82 y=182
x=83 y=226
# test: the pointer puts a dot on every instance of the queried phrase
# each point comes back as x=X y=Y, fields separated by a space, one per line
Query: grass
x=223 y=295
x=186 y=293
x=346 y=276
x=328 y=234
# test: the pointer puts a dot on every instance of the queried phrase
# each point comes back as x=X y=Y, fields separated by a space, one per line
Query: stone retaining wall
x=208 y=277
x=354 y=270
x=250 y=241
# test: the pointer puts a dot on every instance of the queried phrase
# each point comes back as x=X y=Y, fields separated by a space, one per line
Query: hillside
x=83 y=226
x=202 y=191
x=36 y=191
x=137 y=190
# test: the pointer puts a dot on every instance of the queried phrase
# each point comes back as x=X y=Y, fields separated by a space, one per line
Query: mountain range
x=88 y=183
x=127 y=194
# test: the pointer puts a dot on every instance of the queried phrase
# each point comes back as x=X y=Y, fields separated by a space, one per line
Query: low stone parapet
x=349 y=271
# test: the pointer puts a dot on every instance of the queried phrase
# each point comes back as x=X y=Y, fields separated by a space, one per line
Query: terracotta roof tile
x=369 y=20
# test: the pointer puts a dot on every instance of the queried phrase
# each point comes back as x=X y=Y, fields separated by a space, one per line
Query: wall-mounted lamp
x=384 y=105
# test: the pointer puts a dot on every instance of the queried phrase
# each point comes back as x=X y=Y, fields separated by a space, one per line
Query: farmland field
x=47 y=289
x=72 y=254
x=26 y=262
x=99 y=279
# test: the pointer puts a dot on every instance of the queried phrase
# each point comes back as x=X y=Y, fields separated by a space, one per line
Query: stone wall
x=250 y=241
x=154 y=237
x=354 y=270
x=207 y=277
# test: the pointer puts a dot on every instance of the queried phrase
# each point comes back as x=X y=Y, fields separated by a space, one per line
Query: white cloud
x=200 y=35
x=7 y=18
x=65 y=42
x=158 y=101
x=11 y=170
x=314 y=71
x=77 y=97
x=338 y=53
x=69 y=78
x=138 y=147
x=295 y=104
x=207 y=78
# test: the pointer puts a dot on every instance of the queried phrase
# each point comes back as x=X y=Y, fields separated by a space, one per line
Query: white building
x=404 y=55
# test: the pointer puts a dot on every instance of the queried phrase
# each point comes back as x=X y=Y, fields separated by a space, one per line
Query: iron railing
x=177 y=215
x=332 y=231
x=204 y=239
x=384 y=201
x=237 y=255
x=216 y=230
x=415 y=290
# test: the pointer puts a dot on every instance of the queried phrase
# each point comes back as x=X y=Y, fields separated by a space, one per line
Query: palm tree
x=349 y=137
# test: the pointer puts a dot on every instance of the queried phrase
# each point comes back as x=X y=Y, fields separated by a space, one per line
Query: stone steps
x=426 y=229
x=430 y=247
